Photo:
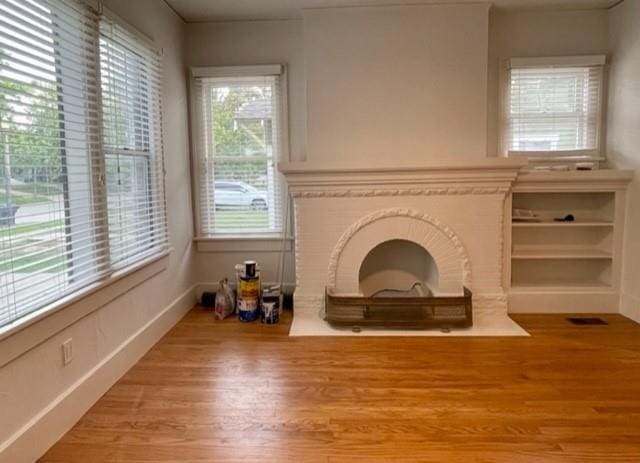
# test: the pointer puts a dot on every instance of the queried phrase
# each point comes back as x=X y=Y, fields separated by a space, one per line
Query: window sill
x=30 y=331
x=244 y=243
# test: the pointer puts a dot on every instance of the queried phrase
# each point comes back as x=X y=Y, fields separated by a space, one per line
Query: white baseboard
x=32 y=440
x=531 y=302
x=630 y=306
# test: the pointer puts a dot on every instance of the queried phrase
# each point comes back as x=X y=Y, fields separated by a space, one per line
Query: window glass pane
x=240 y=192
x=554 y=109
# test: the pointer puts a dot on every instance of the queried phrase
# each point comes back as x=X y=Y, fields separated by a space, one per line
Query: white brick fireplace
x=455 y=212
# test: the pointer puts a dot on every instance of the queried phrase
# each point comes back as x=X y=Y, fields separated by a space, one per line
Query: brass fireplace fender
x=399 y=312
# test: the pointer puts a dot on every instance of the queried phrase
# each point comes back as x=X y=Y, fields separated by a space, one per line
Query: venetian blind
x=51 y=234
x=132 y=134
x=555 y=109
x=238 y=141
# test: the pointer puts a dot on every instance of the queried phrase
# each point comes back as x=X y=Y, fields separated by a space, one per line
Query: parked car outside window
x=238 y=195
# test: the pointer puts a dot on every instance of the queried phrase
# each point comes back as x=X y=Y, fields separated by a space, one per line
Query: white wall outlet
x=67 y=351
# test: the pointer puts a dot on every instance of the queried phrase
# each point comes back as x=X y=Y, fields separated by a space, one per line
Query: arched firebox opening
x=397 y=268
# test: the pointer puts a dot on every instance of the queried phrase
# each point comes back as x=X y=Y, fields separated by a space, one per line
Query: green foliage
x=17 y=230
x=31 y=130
x=233 y=137
x=23 y=199
x=240 y=138
x=245 y=219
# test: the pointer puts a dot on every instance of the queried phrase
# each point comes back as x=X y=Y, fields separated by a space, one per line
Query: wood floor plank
x=230 y=392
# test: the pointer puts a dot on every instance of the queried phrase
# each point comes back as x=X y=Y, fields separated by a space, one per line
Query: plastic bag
x=225 y=301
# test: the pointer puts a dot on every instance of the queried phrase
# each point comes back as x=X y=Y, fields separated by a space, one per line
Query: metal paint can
x=249 y=298
x=270 y=313
x=250 y=268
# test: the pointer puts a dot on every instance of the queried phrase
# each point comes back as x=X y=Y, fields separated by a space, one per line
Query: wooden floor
x=230 y=392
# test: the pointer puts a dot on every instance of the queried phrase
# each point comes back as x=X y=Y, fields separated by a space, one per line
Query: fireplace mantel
x=455 y=175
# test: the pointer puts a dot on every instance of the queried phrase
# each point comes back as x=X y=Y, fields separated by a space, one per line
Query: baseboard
x=214 y=286
x=532 y=302
x=31 y=441
x=630 y=306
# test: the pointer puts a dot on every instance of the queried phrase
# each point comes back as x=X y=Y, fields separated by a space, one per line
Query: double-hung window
x=132 y=145
x=238 y=140
x=81 y=191
x=554 y=107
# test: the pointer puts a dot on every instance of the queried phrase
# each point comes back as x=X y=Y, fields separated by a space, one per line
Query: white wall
x=623 y=137
x=36 y=404
x=406 y=82
x=250 y=43
x=525 y=33
x=257 y=42
x=419 y=60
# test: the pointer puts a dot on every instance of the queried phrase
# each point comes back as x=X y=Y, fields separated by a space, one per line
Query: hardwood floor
x=230 y=392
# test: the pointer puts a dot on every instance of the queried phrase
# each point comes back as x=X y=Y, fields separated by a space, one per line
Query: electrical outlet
x=67 y=351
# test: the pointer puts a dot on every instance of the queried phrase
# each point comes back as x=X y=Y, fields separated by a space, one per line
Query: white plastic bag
x=225 y=301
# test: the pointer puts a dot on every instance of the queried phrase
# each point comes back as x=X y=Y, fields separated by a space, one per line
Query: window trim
x=506 y=65
x=235 y=240
x=105 y=12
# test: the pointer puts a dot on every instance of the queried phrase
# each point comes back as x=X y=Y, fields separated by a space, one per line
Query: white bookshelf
x=571 y=266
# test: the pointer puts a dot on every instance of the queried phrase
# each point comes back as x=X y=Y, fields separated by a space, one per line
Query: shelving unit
x=571 y=266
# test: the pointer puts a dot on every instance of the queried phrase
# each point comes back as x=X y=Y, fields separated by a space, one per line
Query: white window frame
x=546 y=62
x=239 y=241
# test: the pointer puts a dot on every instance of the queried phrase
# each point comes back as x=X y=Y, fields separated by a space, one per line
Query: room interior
x=388 y=146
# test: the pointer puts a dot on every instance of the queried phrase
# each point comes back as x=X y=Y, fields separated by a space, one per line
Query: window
x=132 y=146
x=72 y=211
x=238 y=142
x=554 y=106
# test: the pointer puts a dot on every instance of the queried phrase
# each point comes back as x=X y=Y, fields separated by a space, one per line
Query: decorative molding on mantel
x=363 y=193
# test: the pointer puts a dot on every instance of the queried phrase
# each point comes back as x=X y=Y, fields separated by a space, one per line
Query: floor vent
x=587 y=321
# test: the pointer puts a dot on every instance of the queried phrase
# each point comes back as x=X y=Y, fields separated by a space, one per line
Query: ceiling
x=230 y=10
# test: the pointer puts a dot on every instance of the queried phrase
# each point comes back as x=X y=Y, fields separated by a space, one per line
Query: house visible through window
x=554 y=106
x=238 y=147
x=74 y=207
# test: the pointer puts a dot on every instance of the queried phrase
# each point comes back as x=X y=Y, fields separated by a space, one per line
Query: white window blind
x=555 y=109
x=130 y=77
x=57 y=235
x=49 y=230
x=238 y=141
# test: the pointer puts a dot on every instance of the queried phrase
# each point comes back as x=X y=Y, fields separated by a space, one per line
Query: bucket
x=249 y=298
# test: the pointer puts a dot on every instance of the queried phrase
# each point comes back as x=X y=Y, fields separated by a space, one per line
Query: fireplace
x=418 y=231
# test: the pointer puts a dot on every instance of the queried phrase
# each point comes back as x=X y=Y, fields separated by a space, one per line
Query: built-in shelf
x=560 y=254
x=577 y=287
x=567 y=266
x=592 y=223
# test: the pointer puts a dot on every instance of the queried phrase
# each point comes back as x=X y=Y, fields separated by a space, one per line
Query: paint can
x=249 y=298
x=250 y=267
x=270 y=313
